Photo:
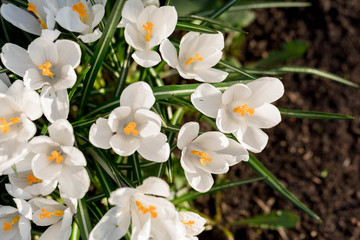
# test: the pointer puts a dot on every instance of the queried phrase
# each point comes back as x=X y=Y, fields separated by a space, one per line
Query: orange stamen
x=5 y=126
x=189 y=223
x=80 y=9
x=32 y=179
x=241 y=110
x=55 y=155
x=32 y=8
x=196 y=58
x=130 y=128
x=148 y=28
x=46 y=69
x=151 y=209
x=47 y=214
x=203 y=156
x=8 y=226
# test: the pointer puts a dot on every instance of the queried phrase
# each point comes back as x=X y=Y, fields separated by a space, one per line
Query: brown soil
x=299 y=150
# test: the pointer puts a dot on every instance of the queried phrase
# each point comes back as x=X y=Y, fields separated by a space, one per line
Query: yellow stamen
x=203 y=156
x=189 y=223
x=196 y=58
x=241 y=110
x=5 y=126
x=7 y=226
x=32 y=8
x=151 y=209
x=55 y=155
x=148 y=28
x=47 y=214
x=32 y=179
x=130 y=128
x=46 y=69
x=80 y=9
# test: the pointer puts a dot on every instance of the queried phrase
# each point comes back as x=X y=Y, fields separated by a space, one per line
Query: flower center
x=55 y=155
x=148 y=28
x=203 y=156
x=189 y=223
x=196 y=58
x=80 y=9
x=32 y=8
x=151 y=209
x=7 y=226
x=241 y=110
x=130 y=128
x=5 y=126
x=46 y=69
x=32 y=179
x=47 y=214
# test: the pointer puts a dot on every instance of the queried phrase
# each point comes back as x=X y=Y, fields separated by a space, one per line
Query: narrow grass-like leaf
x=79 y=79
x=101 y=51
x=274 y=220
x=136 y=168
x=236 y=69
x=312 y=114
x=250 y=5
x=4 y=70
x=123 y=73
x=302 y=70
x=83 y=219
x=105 y=181
x=219 y=187
x=223 y=9
x=273 y=182
x=5 y=31
x=194 y=28
x=75 y=235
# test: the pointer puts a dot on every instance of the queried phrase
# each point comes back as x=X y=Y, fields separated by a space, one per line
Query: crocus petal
x=62 y=132
x=169 y=53
x=74 y=156
x=132 y=10
x=69 y=53
x=17 y=192
x=53 y=232
x=155 y=186
x=28 y=129
x=42 y=50
x=44 y=169
x=207 y=99
x=212 y=40
x=214 y=141
x=70 y=20
x=50 y=35
x=137 y=95
x=121 y=197
x=124 y=145
x=237 y=150
x=187 y=43
x=117 y=116
x=198 y=225
x=74 y=181
x=16 y=59
x=25 y=228
x=147 y=58
x=23 y=207
x=132 y=37
x=5 y=79
x=237 y=92
x=100 y=134
x=253 y=139
x=225 y=122
x=265 y=116
x=210 y=75
x=217 y=165
x=34 y=80
x=21 y=19
x=186 y=161
x=55 y=104
x=91 y=37
x=3 y=87
x=265 y=90
x=112 y=226
x=201 y=181
x=188 y=132
x=141 y=226
x=155 y=148
x=42 y=144
x=98 y=12
x=148 y=122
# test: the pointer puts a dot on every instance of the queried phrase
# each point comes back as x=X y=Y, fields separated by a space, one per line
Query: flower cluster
x=38 y=164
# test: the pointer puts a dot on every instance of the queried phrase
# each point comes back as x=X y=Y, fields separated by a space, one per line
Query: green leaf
x=223 y=8
x=4 y=70
x=123 y=73
x=105 y=182
x=312 y=114
x=268 y=4
x=79 y=79
x=273 y=220
x=236 y=69
x=273 y=182
x=302 y=70
x=101 y=51
x=219 y=187
x=194 y=28
x=83 y=219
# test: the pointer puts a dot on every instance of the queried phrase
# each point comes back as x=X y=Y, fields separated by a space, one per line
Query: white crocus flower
x=40 y=15
x=4 y=82
x=194 y=224
x=12 y=152
x=146 y=28
x=15 y=222
x=132 y=126
x=47 y=66
x=150 y=216
x=57 y=159
x=211 y=152
x=197 y=55
x=242 y=109
x=82 y=17
x=47 y=212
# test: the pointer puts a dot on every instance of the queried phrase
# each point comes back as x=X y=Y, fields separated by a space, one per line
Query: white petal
x=187 y=43
x=155 y=148
x=137 y=95
x=42 y=144
x=42 y=50
x=212 y=40
x=124 y=145
x=53 y=233
x=148 y=122
x=207 y=99
x=169 y=53
x=100 y=134
x=62 y=132
x=18 y=192
x=98 y=12
x=237 y=150
x=217 y=165
x=253 y=139
x=44 y=169
x=188 y=132
x=198 y=225
x=91 y=37
x=225 y=122
x=112 y=226
x=50 y=35
x=28 y=129
x=121 y=197
x=70 y=20
x=166 y=15
x=132 y=10
x=6 y=210
x=55 y=104
x=5 y=79
x=74 y=181
x=117 y=116
x=21 y=19
x=265 y=90
x=69 y=53
x=155 y=186
x=213 y=141
x=25 y=228
x=16 y=59
x=187 y=162
x=23 y=207
x=74 y=156
x=265 y=116
x=34 y=80
x=210 y=75
x=237 y=92
x=147 y=58
x=132 y=37
x=201 y=181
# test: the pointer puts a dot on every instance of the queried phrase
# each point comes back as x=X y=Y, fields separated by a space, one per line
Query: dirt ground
x=300 y=150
